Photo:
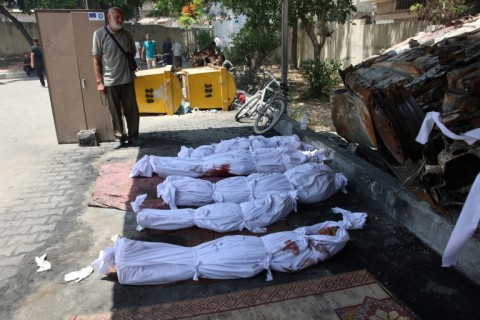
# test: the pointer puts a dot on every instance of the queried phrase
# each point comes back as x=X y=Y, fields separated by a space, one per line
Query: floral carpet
x=347 y=296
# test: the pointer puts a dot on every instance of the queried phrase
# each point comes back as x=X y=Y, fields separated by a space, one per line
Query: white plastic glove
x=78 y=275
x=42 y=263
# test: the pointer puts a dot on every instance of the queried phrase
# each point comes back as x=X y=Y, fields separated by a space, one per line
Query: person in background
x=149 y=52
x=177 y=54
x=197 y=60
x=137 y=53
x=36 y=63
x=27 y=63
x=167 y=53
x=222 y=62
x=114 y=77
x=208 y=56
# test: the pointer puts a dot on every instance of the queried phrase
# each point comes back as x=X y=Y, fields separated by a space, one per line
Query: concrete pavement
x=46 y=188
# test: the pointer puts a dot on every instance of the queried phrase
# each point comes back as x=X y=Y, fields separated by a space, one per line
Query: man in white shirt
x=177 y=54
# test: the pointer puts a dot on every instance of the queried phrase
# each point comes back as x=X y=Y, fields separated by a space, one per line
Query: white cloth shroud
x=466 y=225
x=229 y=257
x=314 y=182
x=234 y=162
x=242 y=143
x=253 y=215
x=432 y=118
x=469 y=217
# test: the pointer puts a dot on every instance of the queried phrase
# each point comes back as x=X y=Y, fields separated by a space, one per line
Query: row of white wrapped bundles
x=235 y=162
x=253 y=215
x=229 y=257
x=313 y=182
x=241 y=143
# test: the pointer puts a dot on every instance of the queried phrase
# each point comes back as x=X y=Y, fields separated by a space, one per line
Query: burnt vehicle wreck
x=385 y=99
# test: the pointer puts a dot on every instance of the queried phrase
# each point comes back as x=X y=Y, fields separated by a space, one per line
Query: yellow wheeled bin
x=209 y=87
x=158 y=91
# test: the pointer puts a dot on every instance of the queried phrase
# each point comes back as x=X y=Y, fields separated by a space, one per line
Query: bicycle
x=267 y=104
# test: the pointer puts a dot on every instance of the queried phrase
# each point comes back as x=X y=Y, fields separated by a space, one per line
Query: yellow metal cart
x=158 y=91
x=208 y=87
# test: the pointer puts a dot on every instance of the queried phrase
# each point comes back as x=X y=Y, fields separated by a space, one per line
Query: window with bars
x=406 y=4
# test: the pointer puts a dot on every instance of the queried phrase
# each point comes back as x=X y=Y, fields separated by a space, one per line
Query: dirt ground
x=317 y=109
x=301 y=102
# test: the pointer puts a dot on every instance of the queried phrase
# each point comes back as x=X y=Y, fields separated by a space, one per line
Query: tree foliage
x=321 y=75
x=169 y=8
x=444 y=11
x=313 y=15
x=130 y=8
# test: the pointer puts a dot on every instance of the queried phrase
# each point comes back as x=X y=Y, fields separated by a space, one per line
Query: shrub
x=321 y=75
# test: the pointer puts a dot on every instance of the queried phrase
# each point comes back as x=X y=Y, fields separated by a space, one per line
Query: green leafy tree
x=9 y=4
x=170 y=8
x=321 y=75
x=444 y=11
x=313 y=15
x=130 y=8
x=188 y=11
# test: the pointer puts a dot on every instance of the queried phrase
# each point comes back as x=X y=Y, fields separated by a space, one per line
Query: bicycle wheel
x=249 y=108
x=269 y=115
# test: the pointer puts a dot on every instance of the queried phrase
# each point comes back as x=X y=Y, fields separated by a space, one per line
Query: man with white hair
x=114 y=77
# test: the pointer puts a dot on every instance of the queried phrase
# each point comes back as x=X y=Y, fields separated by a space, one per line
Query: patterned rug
x=115 y=189
x=348 y=296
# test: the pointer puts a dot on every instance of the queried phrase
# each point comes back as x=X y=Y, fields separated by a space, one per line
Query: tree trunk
x=294 y=46
x=17 y=24
x=309 y=28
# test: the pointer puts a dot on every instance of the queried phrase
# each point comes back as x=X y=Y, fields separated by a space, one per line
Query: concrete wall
x=13 y=43
x=354 y=41
x=358 y=42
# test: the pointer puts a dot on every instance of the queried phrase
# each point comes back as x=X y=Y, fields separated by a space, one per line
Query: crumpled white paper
x=43 y=264
x=78 y=275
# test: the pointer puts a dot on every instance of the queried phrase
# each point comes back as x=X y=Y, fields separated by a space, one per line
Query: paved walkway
x=45 y=189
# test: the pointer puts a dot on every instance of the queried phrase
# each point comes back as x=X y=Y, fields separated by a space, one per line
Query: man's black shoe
x=135 y=142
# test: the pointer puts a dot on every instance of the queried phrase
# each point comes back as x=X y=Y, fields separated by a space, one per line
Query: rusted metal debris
x=385 y=99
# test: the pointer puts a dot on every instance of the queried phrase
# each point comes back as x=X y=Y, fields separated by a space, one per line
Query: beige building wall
x=12 y=41
x=357 y=42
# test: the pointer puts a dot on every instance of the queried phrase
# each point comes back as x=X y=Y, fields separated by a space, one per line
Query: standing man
x=36 y=57
x=137 y=53
x=167 y=51
x=149 y=51
x=114 y=77
x=177 y=54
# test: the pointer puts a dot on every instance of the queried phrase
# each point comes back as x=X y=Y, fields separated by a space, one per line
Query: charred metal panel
x=386 y=98
x=352 y=120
